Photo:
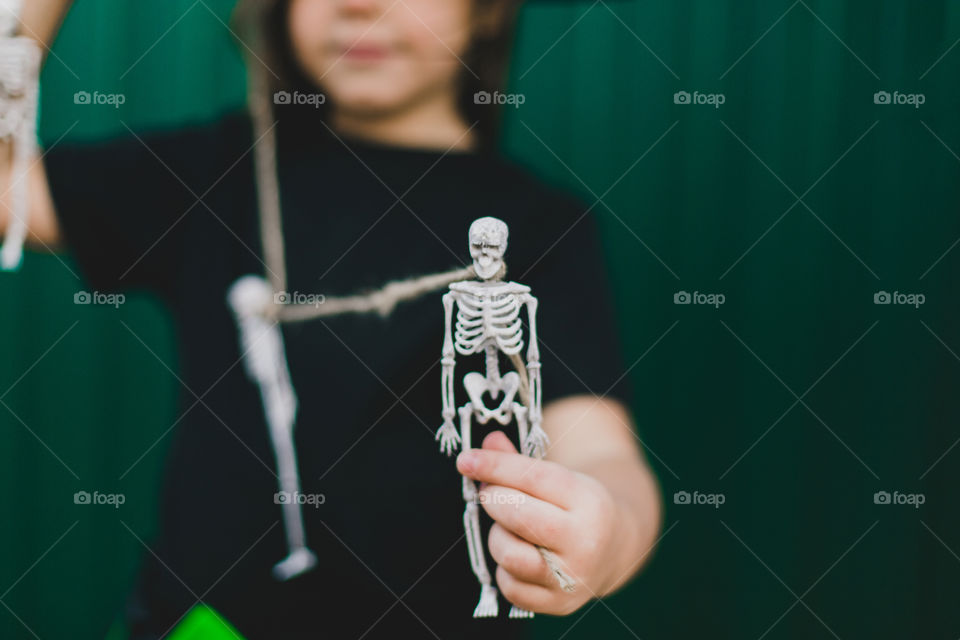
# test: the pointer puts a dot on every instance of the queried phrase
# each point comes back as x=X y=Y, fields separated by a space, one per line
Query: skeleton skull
x=250 y=296
x=488 y=243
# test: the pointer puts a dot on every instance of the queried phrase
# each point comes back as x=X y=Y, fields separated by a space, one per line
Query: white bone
x=265 y=361
x=476 y=383
x=19 y=95
x=488 y=606
x=488 y=320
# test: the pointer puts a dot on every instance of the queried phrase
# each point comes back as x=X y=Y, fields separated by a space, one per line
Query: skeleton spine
x=493 y=361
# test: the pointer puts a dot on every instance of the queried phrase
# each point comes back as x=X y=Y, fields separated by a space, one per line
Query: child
x=384 y=158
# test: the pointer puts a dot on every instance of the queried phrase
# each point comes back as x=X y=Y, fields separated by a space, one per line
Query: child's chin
x=366 y=103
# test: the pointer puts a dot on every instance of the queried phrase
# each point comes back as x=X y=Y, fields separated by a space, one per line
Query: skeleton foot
x=517 y=612
x=299 y=561
x=448 y=437
x=488 y=606
x=536 y=442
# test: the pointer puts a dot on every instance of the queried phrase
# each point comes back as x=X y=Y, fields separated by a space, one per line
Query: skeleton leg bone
x=299 y=558
x=520 y=412
x=265 y=361
x=488 y=606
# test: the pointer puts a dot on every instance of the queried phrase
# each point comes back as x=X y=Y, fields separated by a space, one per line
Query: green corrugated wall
x=796 y=400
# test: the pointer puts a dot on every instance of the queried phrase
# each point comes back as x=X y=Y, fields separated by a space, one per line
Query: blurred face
x=379 y=56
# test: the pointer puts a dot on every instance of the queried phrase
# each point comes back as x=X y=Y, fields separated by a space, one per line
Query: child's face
x=377 y=56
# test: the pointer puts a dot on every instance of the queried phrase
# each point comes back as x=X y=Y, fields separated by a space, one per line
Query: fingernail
x=466 y=461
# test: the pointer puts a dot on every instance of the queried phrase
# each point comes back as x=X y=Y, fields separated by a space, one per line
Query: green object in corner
x=202 y=623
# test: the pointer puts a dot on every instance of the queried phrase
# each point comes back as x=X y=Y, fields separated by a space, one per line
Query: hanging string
x=564 y=581
x=265 y=168
x=381 y=301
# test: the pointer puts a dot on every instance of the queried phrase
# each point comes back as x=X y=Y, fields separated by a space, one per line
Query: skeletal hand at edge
x=536 y=442
x=448 y=437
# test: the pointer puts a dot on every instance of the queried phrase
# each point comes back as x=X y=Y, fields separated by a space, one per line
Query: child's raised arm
x=40 y=19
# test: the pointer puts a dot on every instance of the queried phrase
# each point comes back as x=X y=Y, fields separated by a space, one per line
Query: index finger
x=543 y=479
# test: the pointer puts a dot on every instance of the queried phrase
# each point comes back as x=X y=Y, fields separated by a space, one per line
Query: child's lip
x=364 y=51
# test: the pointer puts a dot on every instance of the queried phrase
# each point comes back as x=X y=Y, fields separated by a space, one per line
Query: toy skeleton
x=258 y=315
x=488 y=321
x=19 y=94
x=265 y=361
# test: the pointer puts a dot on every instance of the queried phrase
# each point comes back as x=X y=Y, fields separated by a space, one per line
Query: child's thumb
x=498 y=441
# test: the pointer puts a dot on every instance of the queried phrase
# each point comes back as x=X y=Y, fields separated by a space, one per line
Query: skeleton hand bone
x=448 y=437
x=536 y=442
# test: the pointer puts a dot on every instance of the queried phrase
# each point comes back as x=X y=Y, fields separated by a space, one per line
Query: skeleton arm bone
x=447 y=433
x=537 y=441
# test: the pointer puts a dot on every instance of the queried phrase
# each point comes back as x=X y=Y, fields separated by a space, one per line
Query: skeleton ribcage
x=488 y=318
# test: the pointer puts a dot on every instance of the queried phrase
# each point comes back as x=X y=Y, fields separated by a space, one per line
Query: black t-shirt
x=174 y=213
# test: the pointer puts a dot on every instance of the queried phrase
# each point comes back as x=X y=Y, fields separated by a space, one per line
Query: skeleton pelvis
x=476 y=384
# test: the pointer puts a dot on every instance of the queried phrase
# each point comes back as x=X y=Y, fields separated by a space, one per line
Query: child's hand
x=544 y=503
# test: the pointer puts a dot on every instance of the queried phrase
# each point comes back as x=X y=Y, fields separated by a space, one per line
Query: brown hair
x=263 y=28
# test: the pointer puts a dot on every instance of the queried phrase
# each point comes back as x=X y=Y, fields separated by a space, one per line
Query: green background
x=797 y=399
